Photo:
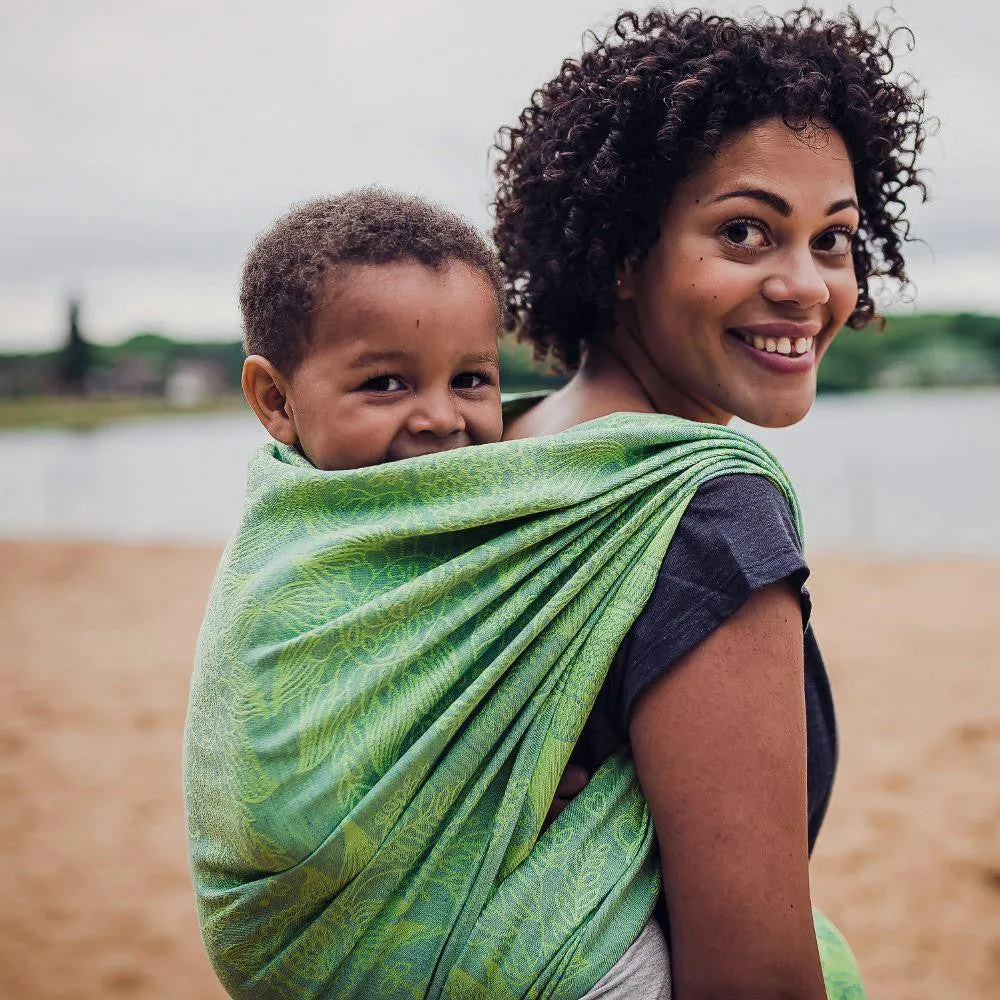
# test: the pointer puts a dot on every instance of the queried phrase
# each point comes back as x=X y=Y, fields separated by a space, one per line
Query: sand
x=97 y=643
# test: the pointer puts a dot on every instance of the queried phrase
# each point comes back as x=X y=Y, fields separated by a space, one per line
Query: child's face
x=403 y=362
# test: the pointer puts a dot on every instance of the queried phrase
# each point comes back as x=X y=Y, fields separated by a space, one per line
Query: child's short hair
x=286 y=268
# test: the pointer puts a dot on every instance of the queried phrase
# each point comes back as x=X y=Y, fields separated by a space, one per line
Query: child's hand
x=572 y=782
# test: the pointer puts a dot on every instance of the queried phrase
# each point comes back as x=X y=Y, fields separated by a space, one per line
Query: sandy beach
x=96 y=655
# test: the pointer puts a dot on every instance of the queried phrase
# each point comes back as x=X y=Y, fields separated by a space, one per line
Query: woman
x=688 y=214
x=397 y=663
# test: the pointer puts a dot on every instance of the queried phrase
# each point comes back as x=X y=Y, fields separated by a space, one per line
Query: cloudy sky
x=143 y=143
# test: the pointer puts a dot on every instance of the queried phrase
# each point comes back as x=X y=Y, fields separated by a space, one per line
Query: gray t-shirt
x=736 y=536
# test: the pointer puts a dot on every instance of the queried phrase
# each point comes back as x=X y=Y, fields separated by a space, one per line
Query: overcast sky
x=144 y=144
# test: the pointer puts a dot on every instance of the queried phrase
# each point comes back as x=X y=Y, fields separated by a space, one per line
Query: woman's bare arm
x=720 y=749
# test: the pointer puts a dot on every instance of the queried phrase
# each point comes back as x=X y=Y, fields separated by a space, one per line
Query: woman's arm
x=720 y=749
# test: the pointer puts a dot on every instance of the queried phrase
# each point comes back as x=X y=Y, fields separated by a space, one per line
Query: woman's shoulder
x=539 y=415
x=743 y=514
x=736 y=536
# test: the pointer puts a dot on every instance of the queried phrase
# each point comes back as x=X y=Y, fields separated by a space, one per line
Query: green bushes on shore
x=151 y=373
x=919 y=351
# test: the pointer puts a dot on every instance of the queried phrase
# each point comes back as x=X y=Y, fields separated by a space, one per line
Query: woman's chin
x=776 y=413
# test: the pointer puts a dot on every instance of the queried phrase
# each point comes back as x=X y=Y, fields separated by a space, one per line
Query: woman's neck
x=624 y=360
x=622 y=369
x=610 y=383
x=609 y=380
x=603 y=384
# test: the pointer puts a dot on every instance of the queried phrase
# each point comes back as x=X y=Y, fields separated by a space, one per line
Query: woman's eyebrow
x=775 y=201
x=843 y=203
x=778 y=203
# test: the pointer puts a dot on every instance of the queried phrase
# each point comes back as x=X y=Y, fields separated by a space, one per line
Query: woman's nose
x=435 y=413
x=798 y=279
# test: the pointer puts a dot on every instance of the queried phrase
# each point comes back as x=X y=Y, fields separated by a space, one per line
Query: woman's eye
x=469 y=380
x=834 y=241
x=384 y=383
x=745 y=234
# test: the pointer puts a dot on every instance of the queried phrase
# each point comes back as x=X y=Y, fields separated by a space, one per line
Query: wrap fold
x=394 y=667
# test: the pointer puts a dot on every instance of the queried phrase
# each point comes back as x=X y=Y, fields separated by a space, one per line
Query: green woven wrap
x=393 y=669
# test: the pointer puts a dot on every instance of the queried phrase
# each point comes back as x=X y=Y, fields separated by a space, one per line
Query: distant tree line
x=922 y=350
x=141 y=365
x=147 y=363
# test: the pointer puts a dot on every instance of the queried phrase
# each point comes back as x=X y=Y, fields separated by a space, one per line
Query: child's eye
x=746 y=234
x=470 y=380
x=837 y=242
x=384 y=383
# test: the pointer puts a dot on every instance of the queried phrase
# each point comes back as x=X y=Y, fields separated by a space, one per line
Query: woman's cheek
x=843 y=285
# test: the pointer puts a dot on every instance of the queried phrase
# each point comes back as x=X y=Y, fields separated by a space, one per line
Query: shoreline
x=98 y=643
x=97 y=412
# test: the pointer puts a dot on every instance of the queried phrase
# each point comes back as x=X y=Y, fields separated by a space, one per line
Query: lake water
x=889 y=473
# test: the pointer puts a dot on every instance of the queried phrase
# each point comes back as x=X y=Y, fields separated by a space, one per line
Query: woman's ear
x=266 y=390
x=625 y=280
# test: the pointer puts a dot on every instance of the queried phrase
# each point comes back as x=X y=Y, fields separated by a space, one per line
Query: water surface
x=891 y=473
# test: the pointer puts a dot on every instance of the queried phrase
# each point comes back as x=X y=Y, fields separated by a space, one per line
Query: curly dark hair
x=594 y=157
x=286 y=269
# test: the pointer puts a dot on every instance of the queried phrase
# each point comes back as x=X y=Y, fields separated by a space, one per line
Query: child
x=371 y=327
x=371 y=324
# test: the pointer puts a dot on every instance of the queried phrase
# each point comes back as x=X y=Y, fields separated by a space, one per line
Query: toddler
x=371 y=322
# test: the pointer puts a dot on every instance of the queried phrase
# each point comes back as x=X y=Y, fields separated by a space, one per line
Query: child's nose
x=437 y=414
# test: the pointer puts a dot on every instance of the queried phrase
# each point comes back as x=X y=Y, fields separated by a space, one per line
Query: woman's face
x=750 y=280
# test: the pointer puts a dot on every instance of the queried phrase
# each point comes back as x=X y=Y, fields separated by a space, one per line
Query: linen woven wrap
x=393 y=669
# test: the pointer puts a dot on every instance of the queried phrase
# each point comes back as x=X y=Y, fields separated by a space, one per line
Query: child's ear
x=266 y=390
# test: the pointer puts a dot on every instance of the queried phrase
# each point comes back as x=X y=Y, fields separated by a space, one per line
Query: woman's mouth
x=791 y=347
x=777 y=350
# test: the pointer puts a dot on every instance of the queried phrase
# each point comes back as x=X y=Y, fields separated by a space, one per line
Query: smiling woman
x=737 y=304
x=688 y=214
x=399 y=661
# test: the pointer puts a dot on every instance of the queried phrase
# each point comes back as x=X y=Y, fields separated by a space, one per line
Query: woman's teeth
x=779 y=345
